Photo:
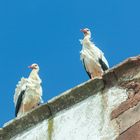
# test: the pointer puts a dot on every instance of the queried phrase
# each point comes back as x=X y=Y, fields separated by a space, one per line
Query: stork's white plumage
x=92 y=57
x=28 y=93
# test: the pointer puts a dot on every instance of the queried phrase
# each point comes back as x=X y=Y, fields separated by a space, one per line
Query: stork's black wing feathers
x=86 y=70
x=19 y=101
x=103 y=65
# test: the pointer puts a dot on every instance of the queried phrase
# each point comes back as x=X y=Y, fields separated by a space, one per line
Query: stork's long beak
x=83 y=30
x=30 y=67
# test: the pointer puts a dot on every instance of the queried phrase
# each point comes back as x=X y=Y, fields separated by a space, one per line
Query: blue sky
x=47 y=32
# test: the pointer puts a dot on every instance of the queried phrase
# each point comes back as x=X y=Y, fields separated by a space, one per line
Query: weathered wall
x=87 y=120
x=100 y=109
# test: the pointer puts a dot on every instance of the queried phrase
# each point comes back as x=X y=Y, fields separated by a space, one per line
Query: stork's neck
x=88 y=36
x=34 y=76
x=86 y=41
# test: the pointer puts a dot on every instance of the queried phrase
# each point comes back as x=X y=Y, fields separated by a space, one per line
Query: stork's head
x=86 y=32
x=34 y=67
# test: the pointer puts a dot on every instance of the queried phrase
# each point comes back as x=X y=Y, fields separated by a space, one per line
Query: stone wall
x=99 y=109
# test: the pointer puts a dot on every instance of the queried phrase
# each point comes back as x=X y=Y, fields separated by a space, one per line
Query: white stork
x=92 y=57
x=28 y=93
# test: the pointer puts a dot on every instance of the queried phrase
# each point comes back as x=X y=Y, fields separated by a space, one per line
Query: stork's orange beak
x=30 y=67
x=83 y=30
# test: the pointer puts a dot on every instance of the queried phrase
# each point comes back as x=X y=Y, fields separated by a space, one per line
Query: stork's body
x=28 y=93
x=92 y=57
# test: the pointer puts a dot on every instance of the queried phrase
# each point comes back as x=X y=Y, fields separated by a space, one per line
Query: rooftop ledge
x=122 y=73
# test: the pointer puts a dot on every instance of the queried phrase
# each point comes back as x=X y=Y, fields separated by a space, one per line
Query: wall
x=87 y=120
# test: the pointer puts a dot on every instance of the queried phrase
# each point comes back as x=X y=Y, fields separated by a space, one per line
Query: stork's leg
x=23 y=109
x=96 y=74
x=92 y=77
x=99 y=75
x=35 y=106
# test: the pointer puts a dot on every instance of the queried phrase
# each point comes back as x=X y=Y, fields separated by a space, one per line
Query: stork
x=28 y=92
x=92 y=57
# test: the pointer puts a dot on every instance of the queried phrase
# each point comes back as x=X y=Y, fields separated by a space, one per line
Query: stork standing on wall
x=28 y=93
x=92 y=57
